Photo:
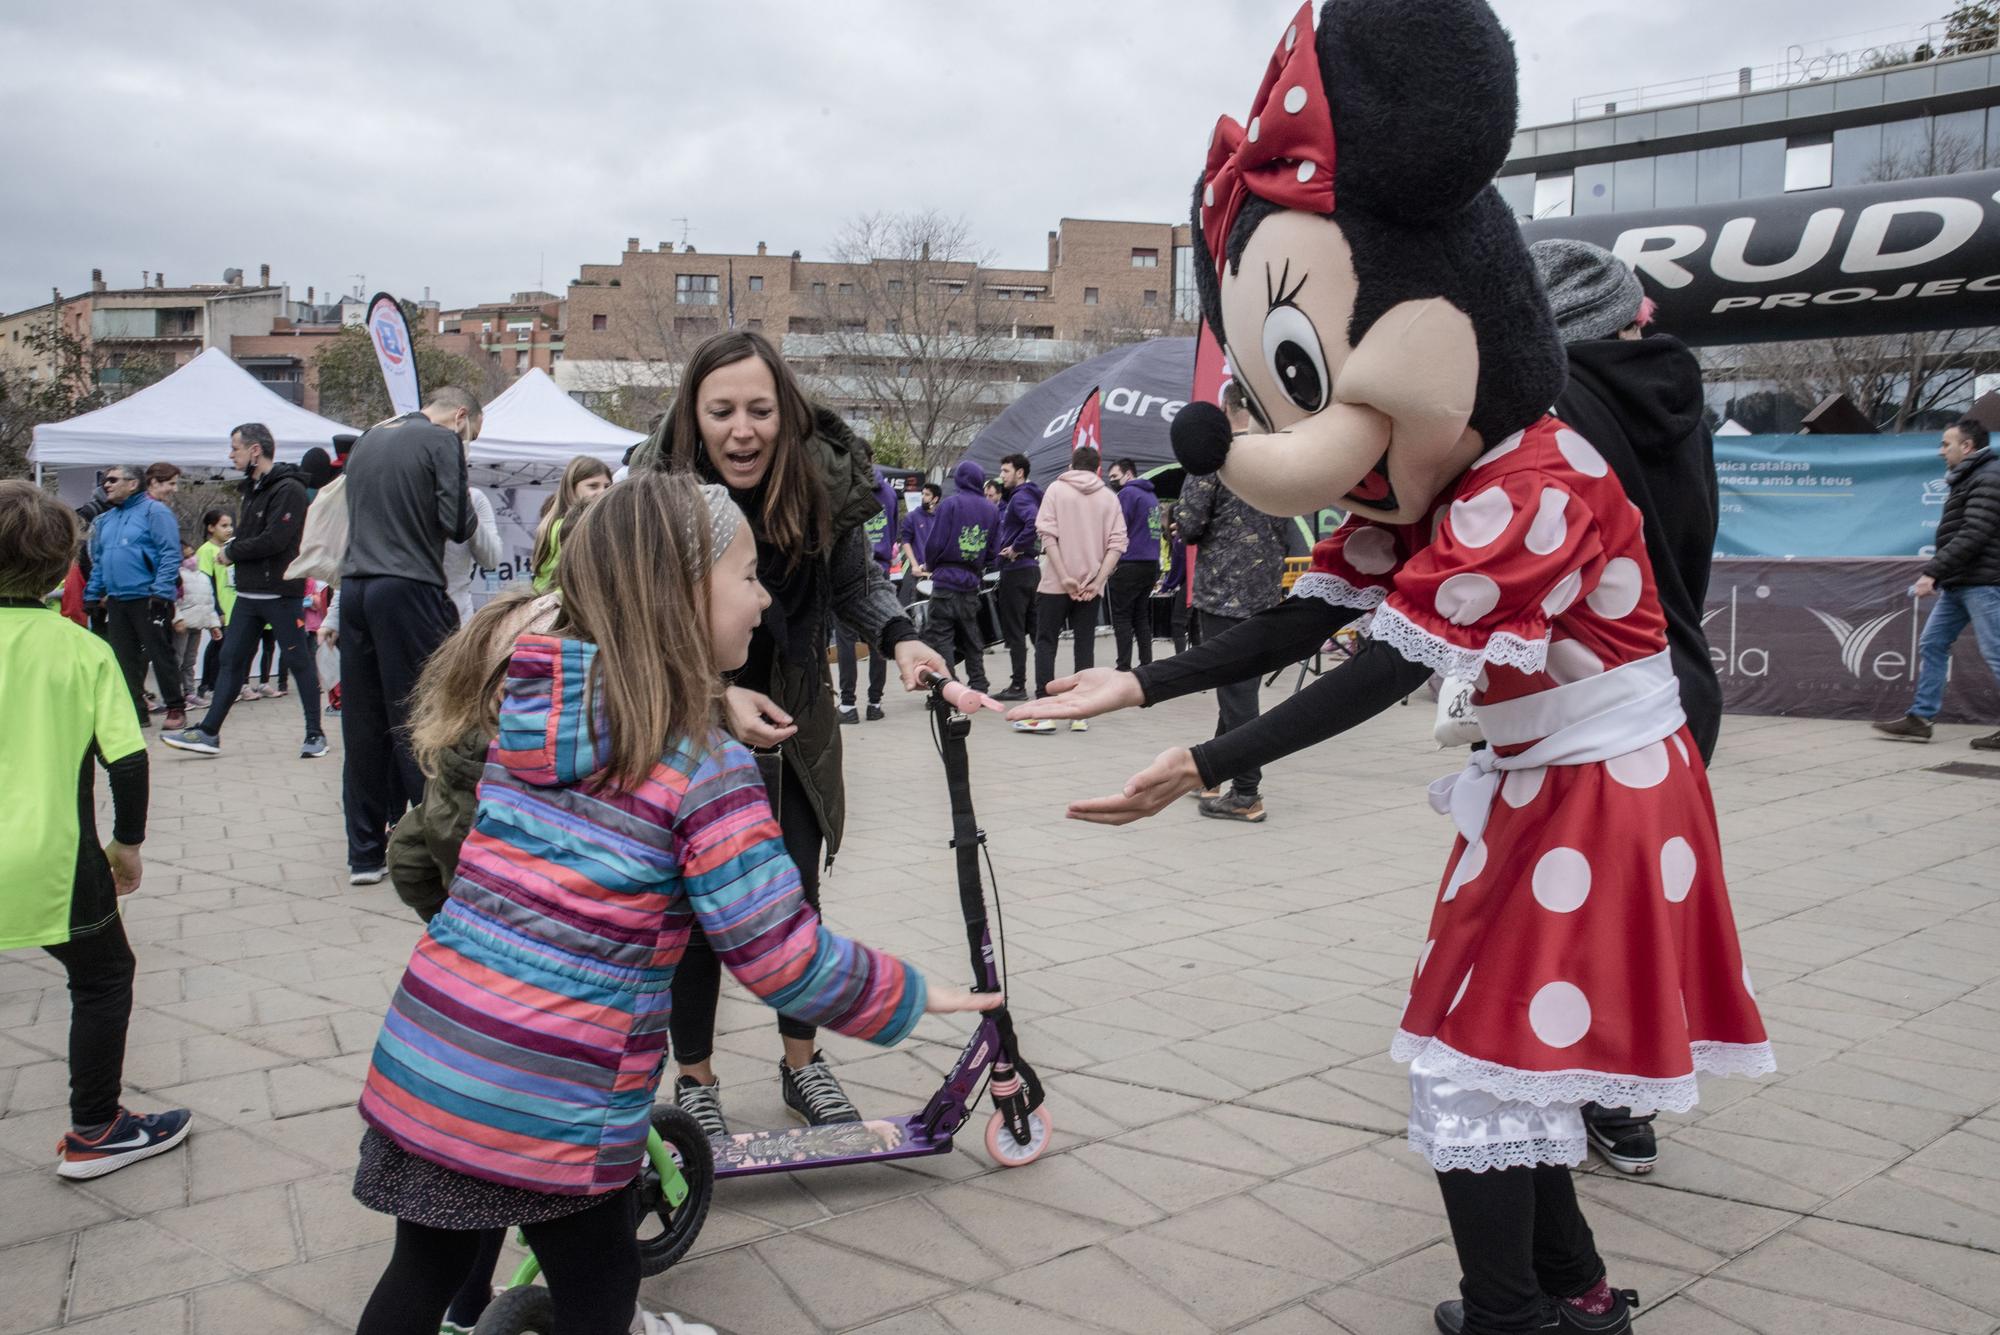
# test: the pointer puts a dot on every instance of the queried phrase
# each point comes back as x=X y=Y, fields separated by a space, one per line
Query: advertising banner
x=1890 y=258
x=1832 y=639
x=390 y=333
x=1819 y=496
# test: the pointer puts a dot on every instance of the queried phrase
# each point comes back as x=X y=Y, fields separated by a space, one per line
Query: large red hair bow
x=1286 y=154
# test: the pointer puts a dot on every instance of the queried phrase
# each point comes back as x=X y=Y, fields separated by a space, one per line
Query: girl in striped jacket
x=516 y=1070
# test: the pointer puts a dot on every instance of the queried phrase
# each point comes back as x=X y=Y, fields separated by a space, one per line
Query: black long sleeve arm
x=1263 y=643
x=129 y=789
x=1358 y=690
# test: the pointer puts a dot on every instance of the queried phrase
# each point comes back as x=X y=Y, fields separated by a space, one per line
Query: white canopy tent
x=184 y=419
x=533 y=429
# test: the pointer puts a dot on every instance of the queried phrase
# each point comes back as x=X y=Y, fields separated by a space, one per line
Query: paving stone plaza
x=1209 y=1003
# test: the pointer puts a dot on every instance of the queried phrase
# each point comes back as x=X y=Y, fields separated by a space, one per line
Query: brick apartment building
x=633 y=322
x=523 y=332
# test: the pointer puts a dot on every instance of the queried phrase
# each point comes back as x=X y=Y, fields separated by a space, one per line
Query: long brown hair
x=581 y=469
x=796 y=516
x=634 y=577
x=458 y=692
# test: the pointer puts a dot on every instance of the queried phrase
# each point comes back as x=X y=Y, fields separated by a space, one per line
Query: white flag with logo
x=390 y=333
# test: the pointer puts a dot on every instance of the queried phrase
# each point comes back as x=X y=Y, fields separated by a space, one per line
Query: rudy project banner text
x=390 y=333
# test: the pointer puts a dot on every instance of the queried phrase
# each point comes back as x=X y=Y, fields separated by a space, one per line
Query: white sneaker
x=1034 y=725
x=1078 y=725
x=666 y=1323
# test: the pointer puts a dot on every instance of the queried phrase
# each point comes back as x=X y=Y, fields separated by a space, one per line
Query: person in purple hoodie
x=882 y=532
x=1138 y=570
x=1017 y=555
x=956 y=552
x=915 y=528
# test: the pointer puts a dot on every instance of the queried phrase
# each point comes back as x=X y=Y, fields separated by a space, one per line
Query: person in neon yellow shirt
x=67 y=709
x=218 y=526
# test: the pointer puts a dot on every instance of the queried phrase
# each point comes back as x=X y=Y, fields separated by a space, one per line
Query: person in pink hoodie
x=1083 y=535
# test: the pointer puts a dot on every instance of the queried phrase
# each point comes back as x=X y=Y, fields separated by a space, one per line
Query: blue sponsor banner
x=1825 y=496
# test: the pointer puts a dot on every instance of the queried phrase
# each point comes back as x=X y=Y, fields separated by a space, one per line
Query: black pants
x=211 y=664
x=388 y=627
x=270 y=650
x=1015 y=598
x=1520 y=1236
x=1180 y=621
x=1055 y=613
x=698 y=980
x=850 y=671
x=1235 y=704
x=139 y=635
x=953 y=630
x=100 y=969
x=254 y=618
x=590 y=1260
x=1131 y=596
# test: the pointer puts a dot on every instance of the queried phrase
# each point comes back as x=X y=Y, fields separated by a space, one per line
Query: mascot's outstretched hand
x=1085 y=694
x=1170 y=777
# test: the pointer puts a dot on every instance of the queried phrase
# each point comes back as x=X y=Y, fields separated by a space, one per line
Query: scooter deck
x=792 y=1149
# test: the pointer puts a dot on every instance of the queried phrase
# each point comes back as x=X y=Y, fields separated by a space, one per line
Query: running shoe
x=195 y=740
x=1038 y=725
x=312 y=747
x=130 y=1138
x=367 y=875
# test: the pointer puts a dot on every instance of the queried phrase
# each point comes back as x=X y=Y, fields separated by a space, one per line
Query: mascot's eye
x=1292 y=355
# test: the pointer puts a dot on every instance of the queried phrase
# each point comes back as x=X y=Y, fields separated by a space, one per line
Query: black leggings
x=100 y=968
x=698 y=980
x=590 y=1260
x=1521 y=1240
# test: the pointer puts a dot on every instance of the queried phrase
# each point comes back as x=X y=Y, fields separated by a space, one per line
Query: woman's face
x=223 y=530
x=736 y=600
x=591 y=488
x=737 y=406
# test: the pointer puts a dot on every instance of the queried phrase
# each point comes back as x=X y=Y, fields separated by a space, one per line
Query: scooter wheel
x=666 y=1232
x=525 y=1310
x=1011 y=1153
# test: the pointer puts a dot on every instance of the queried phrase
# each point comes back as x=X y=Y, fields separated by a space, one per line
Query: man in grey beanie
x=1637 y=396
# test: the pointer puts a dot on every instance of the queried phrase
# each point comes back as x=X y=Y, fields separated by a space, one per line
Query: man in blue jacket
x=1019 y=561
x=882 y=533
x=135 y=569
x=1131 y=590
x=956 y=552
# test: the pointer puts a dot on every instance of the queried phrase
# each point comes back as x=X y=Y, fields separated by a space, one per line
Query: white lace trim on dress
x=1441 y=656
x=1445 y=1156
x=1676 y=1094
x=1334 y=590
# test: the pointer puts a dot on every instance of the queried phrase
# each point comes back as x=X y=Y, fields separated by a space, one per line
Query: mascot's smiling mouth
x=1374 y=489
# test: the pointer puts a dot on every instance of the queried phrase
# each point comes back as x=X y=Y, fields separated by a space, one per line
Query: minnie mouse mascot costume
x=1383 y=319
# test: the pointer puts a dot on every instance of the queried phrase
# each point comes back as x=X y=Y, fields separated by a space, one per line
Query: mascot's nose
x=1201 y=438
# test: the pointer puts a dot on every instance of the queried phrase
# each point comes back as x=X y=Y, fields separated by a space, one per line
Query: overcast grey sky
x=481 y=148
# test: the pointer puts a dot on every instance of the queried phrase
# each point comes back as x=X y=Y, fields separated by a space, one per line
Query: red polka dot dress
x=1582 y=948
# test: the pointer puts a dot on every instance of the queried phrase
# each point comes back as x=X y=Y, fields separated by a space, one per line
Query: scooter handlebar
x=960 y=696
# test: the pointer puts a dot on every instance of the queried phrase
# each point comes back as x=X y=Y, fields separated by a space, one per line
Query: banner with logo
x=390 y=333
x=1887 y=258
x=1832 y=639
x=517 y=511
x=1826 y=496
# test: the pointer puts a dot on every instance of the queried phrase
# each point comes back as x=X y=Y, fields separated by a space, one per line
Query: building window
x=803 y=324
x=756 y=282
x=753 y=324
x=1593 y=189
x=894 y=326
x=1519 y=192
x=853 y=326
x=697 y=289
x=1002 y=293
x=1038 y=331
x=847 y=289
x=1719 y=174
x=520 y=362
x=1673 y=180
x=1090 y=296
x=1146 y=258
x=1809 y=162
x=819 y=289
x=895 y=286
x=1151 y=297
x=1187 y=297
x=598 y=323
x=1553 y=195
x=1857 y=155
x=1763 y=168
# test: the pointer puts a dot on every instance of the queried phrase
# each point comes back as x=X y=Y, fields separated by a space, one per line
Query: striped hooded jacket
x=525 y=1043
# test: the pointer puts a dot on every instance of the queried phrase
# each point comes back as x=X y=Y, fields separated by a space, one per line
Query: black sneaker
x=1613 y=1320
x=1011 y=694
x=875 y=714
x=1908 y=728
x=703 y=1103
x=1450 y=1317
x=1234 y=806
x=1623 y=1141
x=849 y=714
x=1990 y=742
x=814 y=1095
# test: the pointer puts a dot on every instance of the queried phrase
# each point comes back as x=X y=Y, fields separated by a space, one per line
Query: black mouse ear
x=1424 y=102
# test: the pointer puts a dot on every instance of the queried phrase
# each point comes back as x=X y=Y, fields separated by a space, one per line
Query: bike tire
x=525 y=1310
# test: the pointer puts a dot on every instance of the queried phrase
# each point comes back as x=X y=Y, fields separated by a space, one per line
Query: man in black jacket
x=406 y=498
x=1964 y=574
x=268 y=529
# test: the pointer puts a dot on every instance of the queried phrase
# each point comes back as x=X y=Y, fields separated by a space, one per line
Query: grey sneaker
x=1234 y=806
x=849 y=714
x=1908 y=728
x=195 y=740
x=814 y=1095
x=703 y=1103
x=367 y=875
x=312 y=747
